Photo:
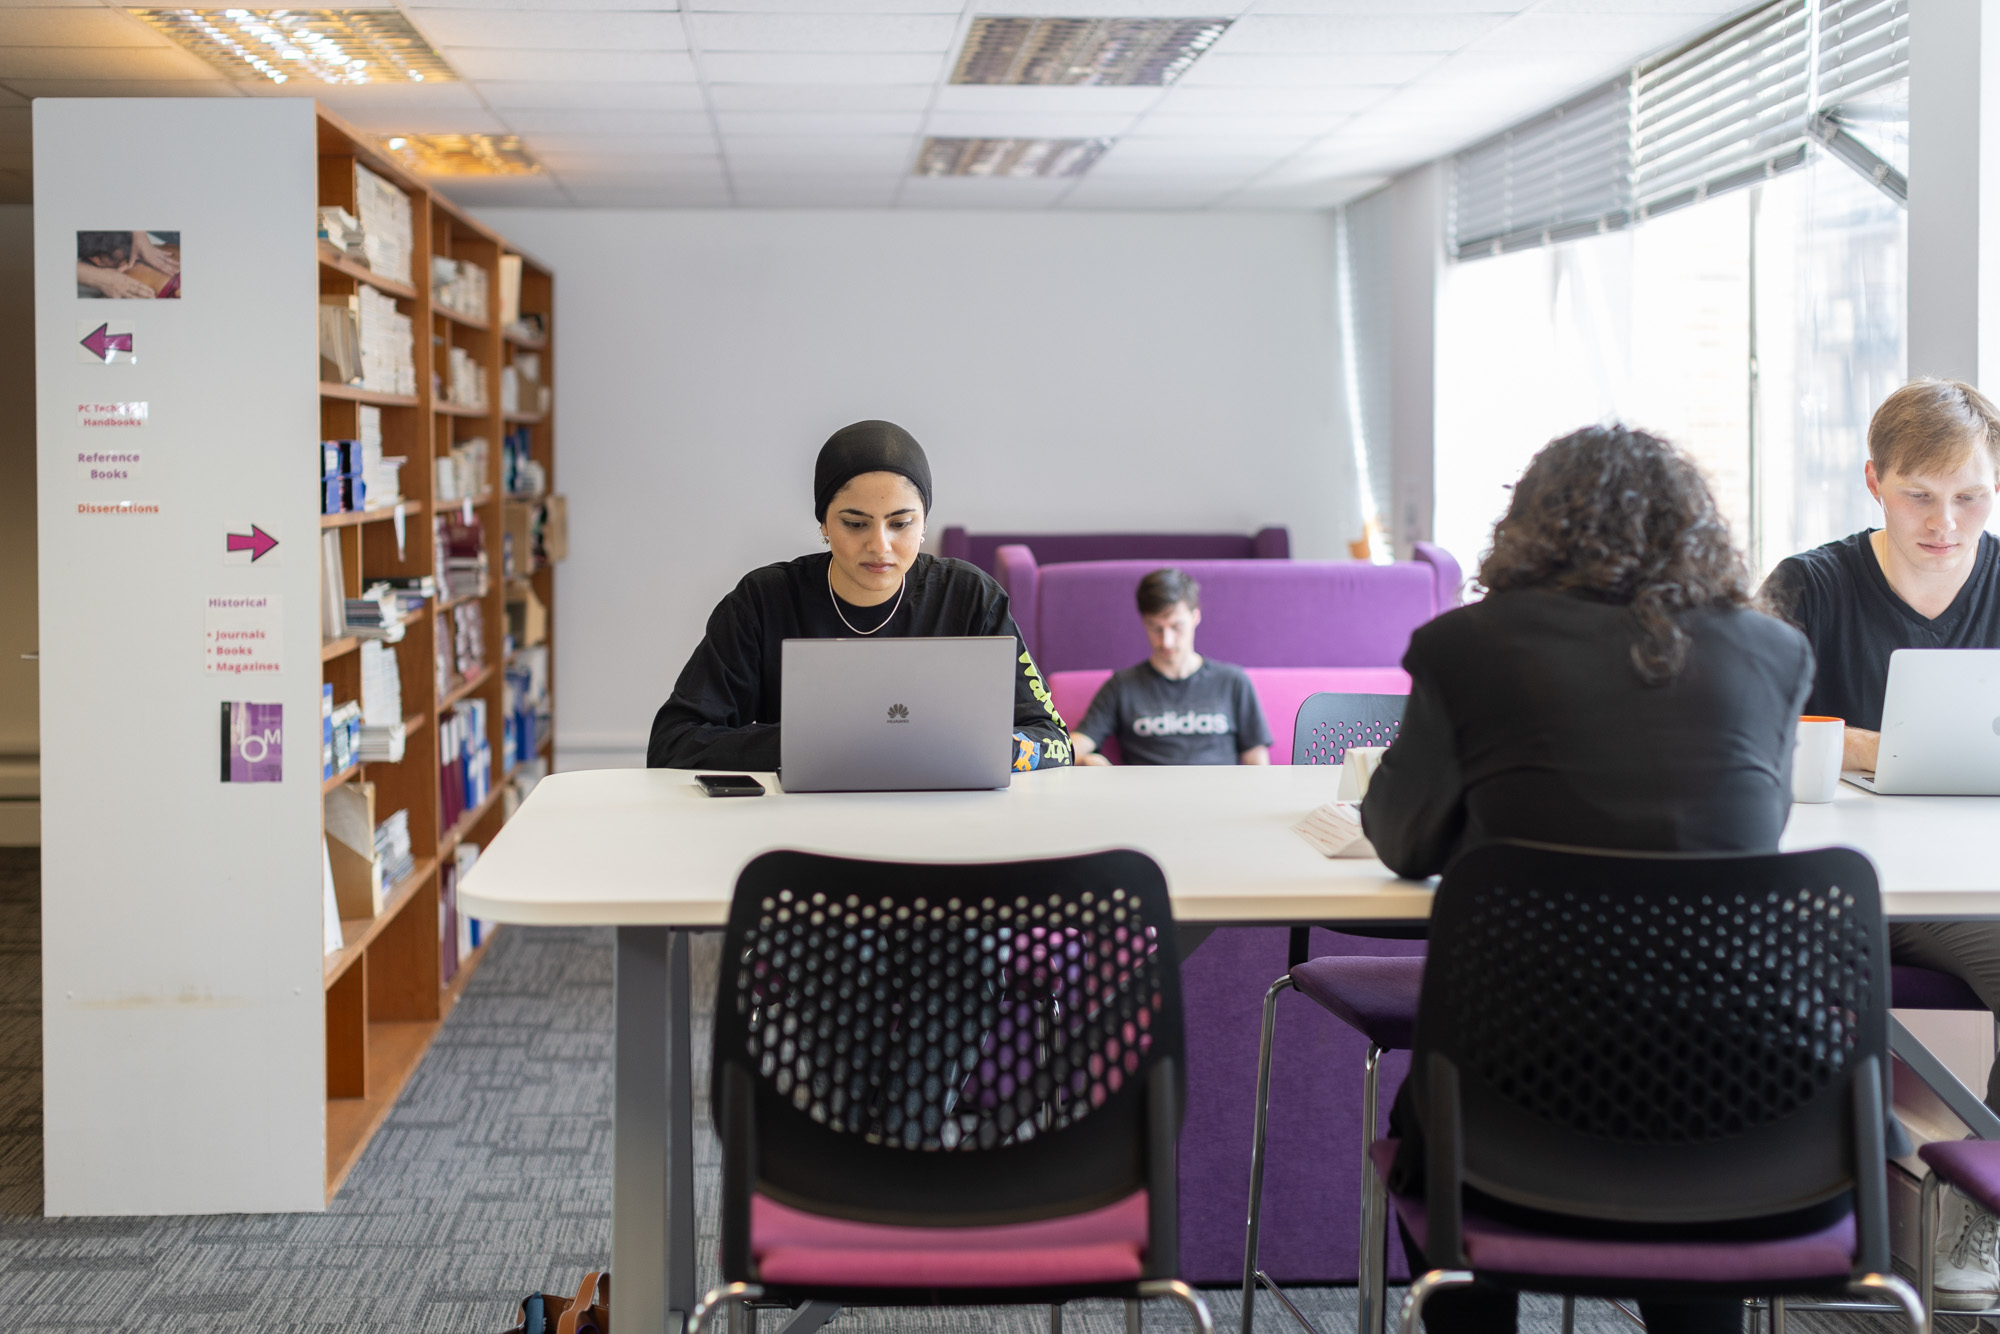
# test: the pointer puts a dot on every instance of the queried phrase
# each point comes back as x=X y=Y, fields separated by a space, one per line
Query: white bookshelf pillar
x=183 y=1009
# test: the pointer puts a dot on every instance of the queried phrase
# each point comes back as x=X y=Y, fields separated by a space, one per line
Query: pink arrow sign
x=102 y=342
x=256 y=542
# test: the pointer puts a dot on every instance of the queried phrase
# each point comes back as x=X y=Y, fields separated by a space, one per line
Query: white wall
x=1101 y=372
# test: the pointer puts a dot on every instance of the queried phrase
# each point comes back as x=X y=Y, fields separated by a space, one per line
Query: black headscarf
x=868 y=447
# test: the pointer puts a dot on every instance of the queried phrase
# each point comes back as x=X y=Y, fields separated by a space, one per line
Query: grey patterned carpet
x=490 y=1179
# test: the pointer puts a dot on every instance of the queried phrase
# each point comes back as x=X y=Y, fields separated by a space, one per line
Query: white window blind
x=1863 y=45
x=1724 y=111
x=1730 y=108
x=1564 y=173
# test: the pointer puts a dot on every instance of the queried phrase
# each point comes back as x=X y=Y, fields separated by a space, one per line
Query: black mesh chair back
x=1330 y=722
x=949 y=1044
x=1656 y=1038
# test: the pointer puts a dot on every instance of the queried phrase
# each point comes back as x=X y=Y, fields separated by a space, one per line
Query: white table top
x=637 y=847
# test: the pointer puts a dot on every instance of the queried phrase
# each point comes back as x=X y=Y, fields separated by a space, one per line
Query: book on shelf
x=382 y=735
x=521 y=389
x=461 y=474
x=527 y=618
x=465 y=932
x=510 y=290
x=465 y=769
x=459 y=286
x=468 y=639
x=364 y=340
x=344 y=725
x=331 y=936
x=342 y=230
x=555 y=528
x=376 y=614
x=525 y=719
x=350 y=842
x=384 y=215
x=393 y=849
x=461 y=555
x=333 y=589
x=466 y=387
x=339 y=341
x=520 y=475
x=411 y=592
x=448 y=955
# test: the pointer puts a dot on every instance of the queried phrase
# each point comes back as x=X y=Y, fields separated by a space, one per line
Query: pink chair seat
x=791 y=1246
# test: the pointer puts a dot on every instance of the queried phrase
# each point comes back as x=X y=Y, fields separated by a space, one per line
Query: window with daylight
x=1739 y=289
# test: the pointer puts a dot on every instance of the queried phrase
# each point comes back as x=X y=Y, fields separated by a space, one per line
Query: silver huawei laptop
x=897 y=715
x=1940 y=725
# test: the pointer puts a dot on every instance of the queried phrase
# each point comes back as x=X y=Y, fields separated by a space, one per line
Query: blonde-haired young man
x=1929 y=577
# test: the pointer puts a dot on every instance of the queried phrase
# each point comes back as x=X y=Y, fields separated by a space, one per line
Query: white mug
x=1357 y=768
x=1816 y=759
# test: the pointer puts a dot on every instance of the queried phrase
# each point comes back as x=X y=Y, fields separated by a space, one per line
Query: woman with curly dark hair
x=1614 y=689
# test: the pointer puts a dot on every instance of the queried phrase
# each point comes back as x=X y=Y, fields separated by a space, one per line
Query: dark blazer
x=1526 y=719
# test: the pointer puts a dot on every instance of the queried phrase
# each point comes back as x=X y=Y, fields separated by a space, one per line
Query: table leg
x=652 y=1137
x=1964 y=1103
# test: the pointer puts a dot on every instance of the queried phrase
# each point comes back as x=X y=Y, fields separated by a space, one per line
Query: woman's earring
x=825 y=540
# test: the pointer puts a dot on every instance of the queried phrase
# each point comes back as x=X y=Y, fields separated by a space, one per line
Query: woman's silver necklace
x=843 y=615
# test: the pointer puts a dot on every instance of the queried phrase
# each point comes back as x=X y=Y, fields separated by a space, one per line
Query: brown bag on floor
x=585 y=1313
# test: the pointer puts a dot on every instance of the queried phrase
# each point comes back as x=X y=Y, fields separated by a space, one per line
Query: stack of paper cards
x=1334 y=830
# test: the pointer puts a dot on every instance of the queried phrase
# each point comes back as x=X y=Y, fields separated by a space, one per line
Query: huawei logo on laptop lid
x=899 y=713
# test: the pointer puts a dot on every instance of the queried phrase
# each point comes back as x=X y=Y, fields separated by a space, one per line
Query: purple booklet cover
x=253 y=743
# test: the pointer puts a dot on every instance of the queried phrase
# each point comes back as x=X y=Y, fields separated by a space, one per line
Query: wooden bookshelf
x=387 y=992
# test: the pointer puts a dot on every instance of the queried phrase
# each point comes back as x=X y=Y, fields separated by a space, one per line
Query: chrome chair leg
x=1291 y=1307
x=1055 y=1318
x=1777 y=1315
x=1189 y=1299
x=1133 y=1320
x=1927 y=1230
x=1421 y=1288
x=1372 y=1281
x=728 y=1295
x=1899 y=1292
x=1569 y=1313
x=1263 y=1116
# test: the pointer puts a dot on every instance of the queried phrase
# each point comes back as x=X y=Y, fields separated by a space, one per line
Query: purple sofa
x=1352 y=620
x=980 y=548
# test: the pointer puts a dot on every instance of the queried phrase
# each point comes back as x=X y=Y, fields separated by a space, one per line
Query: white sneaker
x=1968 y=1271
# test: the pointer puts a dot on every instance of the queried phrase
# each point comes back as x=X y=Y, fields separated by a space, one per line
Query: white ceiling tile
x=824 y=34
x=824 y=6
x=1027 y=125
x=1625 y=36
x=1300 y=34
x=581 y=67
x=689 y=172
x=805 y=97
x=1189 y=148
x=829 y=152
x=1165 y=9
x=507 y=97
x=1704 y=13
x=1081 y=100
x=539 y=6
x=1223 y=70
x=571 y=30
x=614 y=196
x=38 y=26
x=1115 y=195
x=619 y=166
x=622 y=146
x=502 y=191
x=1219 y=125
x=90 y=62
x=1374 y=8
x=1268 y=101
x=771 y=67
x=811 y=193
x=432 y=108
x=611 y=123
x=820 y=122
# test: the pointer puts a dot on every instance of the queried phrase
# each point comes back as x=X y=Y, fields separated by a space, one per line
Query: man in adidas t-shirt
x=1176 y=707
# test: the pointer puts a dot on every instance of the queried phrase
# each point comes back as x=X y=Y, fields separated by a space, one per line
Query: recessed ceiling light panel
x=1017 y=158
x=1105 y=52
x=338 y=46
x=462 y=154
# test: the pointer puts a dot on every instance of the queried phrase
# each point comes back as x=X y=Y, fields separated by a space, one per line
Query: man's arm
x=1414 y=812
x=1254 y=755
x=1859 y=749
x=1083 y=750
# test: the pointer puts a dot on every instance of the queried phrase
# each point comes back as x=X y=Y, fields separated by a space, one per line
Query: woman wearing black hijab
x=871 y=494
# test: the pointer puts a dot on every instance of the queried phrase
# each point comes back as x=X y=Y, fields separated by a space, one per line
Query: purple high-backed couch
x=1257 y=614
x=979 y=548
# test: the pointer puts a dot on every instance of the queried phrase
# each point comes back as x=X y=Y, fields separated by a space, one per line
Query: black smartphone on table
x=729 y=785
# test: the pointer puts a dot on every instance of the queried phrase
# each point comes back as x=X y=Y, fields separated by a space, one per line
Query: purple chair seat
x=1913 y=988
x=1377 y=997
x=1971 y=1165
x=1503 y=1248
x=791 y=1246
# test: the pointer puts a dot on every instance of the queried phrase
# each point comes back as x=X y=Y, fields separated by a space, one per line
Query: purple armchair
x=1160 y=548
x=1282 y=620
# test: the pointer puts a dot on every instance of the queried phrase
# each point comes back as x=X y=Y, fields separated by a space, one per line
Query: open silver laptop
x=1940 y=725
x=897 y=715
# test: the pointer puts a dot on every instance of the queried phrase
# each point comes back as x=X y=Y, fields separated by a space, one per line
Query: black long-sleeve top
x=725 y=709
x=1526 y=719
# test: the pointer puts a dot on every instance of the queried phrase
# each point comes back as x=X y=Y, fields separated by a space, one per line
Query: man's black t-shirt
x=724 y=712
x=1211 y=717
x=1839 y=596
